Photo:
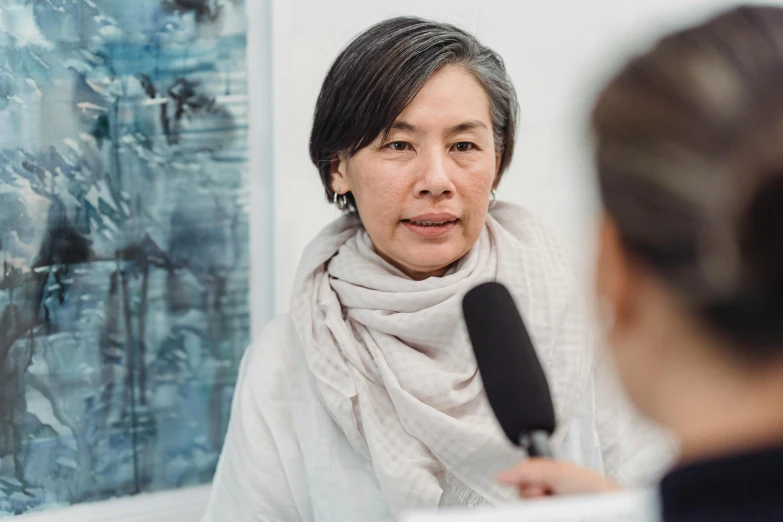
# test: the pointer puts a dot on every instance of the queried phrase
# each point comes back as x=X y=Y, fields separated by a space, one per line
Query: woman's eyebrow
x=404 y=126
x=467 y=126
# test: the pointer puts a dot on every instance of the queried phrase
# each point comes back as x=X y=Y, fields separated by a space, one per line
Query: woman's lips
x=431 y=225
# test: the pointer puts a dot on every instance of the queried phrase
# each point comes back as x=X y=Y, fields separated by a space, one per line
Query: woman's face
x=423 y=193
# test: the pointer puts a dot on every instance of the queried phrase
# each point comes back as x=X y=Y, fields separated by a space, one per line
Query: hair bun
x=753 y=313
x=761 y=234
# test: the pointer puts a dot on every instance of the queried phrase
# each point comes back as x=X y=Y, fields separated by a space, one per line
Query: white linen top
x=285 y=459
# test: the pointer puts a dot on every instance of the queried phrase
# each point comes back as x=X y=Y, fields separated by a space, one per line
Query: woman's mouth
x=431 y=225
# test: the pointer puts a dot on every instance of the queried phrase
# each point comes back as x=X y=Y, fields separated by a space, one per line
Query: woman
x=690 y=164
x=364 y=400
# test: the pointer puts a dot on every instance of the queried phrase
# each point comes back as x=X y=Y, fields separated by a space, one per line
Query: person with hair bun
x=689 y=158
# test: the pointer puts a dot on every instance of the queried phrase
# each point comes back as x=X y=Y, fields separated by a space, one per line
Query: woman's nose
x=434 y=176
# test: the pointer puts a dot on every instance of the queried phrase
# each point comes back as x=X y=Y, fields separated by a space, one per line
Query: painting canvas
x=124 y=229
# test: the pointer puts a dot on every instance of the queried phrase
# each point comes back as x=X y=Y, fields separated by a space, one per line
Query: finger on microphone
x=530 y=472
x=533 y=492
x=556 y=478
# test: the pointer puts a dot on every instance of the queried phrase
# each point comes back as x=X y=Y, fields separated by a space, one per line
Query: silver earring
x=493 y=197
x=340 y=201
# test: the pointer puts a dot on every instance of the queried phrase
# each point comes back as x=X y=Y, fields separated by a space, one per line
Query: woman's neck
x=744 y=430
x=728 y=410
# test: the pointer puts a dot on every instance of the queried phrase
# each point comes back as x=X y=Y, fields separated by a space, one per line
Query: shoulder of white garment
x=259 y=473
x=328 y=481
x=272 y=350
x=270 y=368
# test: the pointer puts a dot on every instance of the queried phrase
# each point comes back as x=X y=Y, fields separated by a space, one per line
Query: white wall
x=260 y=174
x=556 y=52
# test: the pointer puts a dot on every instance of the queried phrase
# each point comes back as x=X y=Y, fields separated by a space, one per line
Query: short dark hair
x=380 y=72
x=689 y=154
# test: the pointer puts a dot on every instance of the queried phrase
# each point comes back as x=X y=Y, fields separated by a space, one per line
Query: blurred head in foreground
x=689 y=157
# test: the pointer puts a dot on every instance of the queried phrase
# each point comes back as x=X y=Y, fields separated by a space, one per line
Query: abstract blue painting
x=124 y=231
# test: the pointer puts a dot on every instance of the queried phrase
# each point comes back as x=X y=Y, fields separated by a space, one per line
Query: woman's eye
x=398 y=145
x=464 y=146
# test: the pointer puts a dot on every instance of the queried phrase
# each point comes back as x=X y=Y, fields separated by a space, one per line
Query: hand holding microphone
x=519 y=395
x=543 y=477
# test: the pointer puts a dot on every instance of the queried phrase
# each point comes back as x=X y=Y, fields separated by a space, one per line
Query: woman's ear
x=338 y=175
x=614 y=286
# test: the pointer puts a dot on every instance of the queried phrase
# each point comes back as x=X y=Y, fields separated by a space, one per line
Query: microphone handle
x=536 y=443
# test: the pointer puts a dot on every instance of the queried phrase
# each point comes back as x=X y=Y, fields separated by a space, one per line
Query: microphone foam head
x=513 y=378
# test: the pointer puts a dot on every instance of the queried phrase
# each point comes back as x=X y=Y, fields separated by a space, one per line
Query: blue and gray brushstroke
x=123 y=244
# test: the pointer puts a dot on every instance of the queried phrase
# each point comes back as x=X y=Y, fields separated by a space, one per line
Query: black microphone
x=513 y=378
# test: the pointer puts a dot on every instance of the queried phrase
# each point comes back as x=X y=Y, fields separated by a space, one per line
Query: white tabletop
x=627 y=506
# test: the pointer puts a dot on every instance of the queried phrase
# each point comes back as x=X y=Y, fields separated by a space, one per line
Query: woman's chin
x=430 y=264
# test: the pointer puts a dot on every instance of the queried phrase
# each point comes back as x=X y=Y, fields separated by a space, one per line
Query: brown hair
x=689 y=156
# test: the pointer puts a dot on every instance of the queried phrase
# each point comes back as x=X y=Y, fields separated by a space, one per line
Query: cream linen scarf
x=392 y=363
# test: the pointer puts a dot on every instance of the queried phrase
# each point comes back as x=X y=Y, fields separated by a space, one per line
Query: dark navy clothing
x=740 y=488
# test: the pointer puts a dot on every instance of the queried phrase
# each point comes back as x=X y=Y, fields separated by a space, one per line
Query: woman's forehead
x=452 y=99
